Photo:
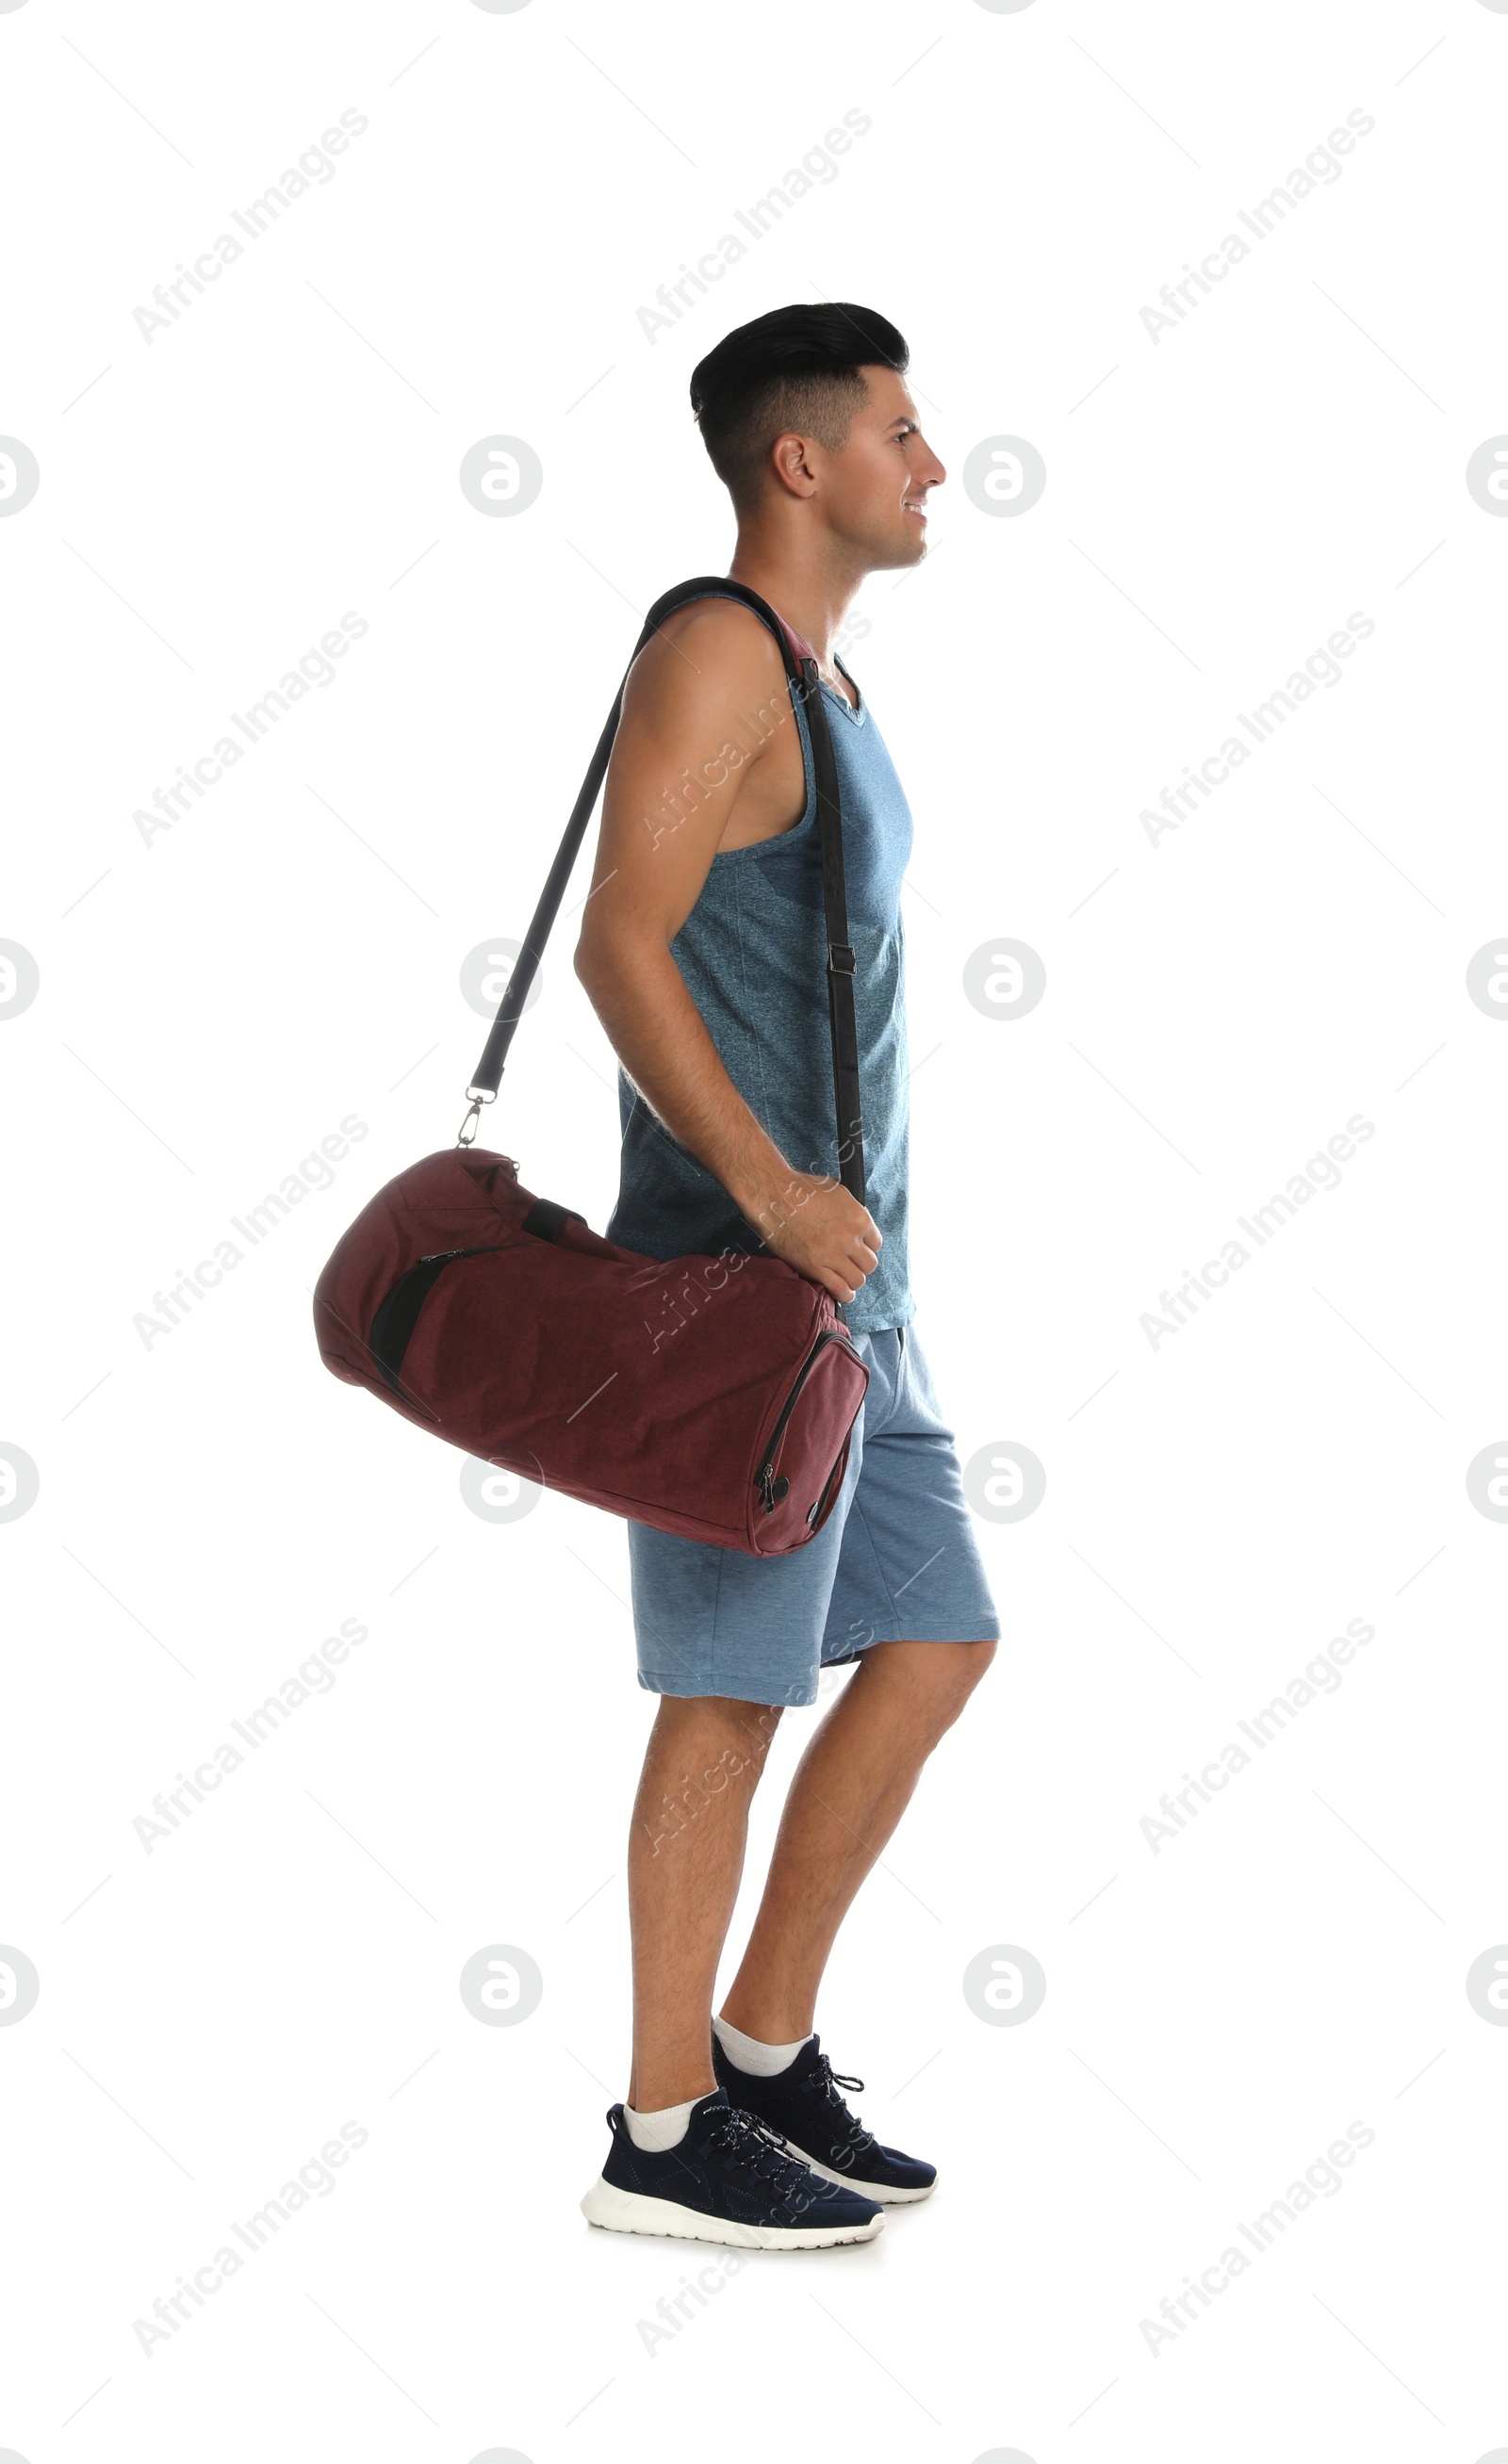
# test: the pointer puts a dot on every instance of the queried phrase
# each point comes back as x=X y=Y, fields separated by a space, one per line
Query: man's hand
x=818 y=1228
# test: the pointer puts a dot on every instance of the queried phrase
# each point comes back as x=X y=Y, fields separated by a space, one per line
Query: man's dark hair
x=796 y=368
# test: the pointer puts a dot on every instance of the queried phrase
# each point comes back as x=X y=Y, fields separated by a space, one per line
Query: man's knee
x=704 y=1751
x=964 y=1664
x=749 y=1729
x=940 y=1677
x=726 y=1738
x=980 y=1656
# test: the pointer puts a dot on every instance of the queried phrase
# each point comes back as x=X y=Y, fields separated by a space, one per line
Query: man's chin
x=890 y=551
x=897 y=554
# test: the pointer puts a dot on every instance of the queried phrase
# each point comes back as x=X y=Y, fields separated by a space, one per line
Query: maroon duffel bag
x=710 y=1396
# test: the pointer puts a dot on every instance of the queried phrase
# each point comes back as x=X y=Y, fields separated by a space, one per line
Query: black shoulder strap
x=805 y=690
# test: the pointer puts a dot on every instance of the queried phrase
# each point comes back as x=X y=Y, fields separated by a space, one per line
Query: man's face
x=875 y=490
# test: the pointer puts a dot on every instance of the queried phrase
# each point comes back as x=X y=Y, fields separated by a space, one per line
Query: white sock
x=748 y=2053
x=666 y=2129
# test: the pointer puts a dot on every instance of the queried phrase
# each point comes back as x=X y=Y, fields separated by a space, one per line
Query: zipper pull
x=771 y=1489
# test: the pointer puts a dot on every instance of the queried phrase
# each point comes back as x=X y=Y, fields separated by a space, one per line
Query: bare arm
x=683 y=713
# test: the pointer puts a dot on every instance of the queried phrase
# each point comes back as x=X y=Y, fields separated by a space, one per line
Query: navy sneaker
x=804 y=2107
x=729 y=2179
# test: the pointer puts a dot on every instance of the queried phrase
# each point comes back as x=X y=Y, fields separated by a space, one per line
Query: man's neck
x=813 y=602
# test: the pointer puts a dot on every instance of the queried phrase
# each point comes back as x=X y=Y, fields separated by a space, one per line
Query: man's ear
x=792 y=459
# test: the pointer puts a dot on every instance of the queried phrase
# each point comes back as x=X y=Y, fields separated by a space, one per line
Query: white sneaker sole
x=884 y=2193
x=632 y=2211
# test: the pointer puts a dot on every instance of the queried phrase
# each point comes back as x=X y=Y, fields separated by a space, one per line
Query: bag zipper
x=392 y=1324
x=770 y=1488
x=397 y=1312
x=816 y=1514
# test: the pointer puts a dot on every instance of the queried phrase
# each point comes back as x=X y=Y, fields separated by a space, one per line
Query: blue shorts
x=897 y=1561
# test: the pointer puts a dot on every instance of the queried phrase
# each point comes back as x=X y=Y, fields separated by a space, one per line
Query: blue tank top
x=753 y=956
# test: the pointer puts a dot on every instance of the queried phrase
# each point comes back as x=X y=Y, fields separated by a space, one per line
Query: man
x=704 y=953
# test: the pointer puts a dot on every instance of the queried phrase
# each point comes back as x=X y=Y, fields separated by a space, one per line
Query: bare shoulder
x=712 y=651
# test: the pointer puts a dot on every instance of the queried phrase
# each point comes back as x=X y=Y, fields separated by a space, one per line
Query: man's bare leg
x=685 y=1859
x=852 y=1786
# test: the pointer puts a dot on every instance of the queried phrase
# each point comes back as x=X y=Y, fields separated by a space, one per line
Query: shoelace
x=828 y=2083
x=751 y=2143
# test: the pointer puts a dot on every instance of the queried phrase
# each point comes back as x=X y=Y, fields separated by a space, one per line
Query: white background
x=1218 y=1005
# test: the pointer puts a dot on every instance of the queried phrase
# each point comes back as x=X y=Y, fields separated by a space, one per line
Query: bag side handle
x=805 y=690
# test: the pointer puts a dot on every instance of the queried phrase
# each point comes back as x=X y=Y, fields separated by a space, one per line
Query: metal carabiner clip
x=466 y=1134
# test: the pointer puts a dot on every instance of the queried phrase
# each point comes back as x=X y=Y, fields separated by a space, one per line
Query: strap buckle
x=466 y=1134
x=841 y=960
